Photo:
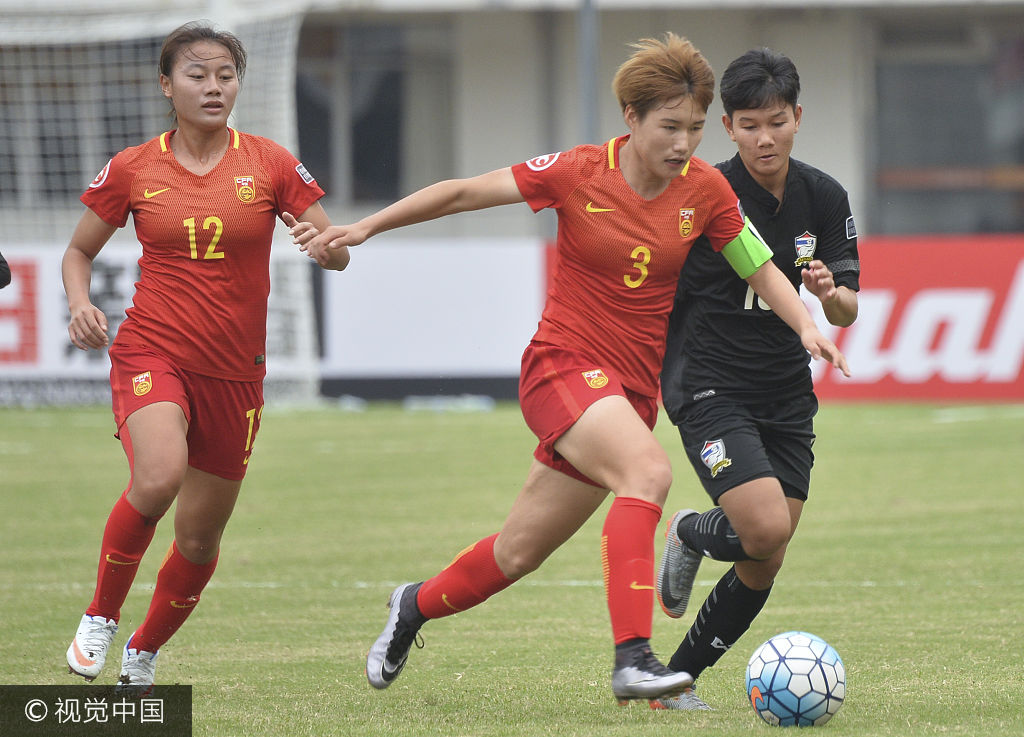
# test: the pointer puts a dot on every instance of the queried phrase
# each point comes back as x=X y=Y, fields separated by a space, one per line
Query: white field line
x=76 y=587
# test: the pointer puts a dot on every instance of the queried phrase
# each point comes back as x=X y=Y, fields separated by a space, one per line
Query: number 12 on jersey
x=211 y=223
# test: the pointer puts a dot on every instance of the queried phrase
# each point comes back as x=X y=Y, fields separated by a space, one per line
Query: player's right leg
x=153 y=436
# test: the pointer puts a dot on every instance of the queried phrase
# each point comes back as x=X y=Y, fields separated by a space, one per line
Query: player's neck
x=199 y=150
x=775 y=183
x=638 y=176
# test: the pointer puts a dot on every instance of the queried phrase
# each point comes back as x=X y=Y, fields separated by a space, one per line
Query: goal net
x=78 y=83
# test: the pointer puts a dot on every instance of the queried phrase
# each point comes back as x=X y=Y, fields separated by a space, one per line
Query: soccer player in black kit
x=736 y=380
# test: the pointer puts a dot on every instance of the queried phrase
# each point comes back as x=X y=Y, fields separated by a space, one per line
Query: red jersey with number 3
x=618 y=256
x=201 y=297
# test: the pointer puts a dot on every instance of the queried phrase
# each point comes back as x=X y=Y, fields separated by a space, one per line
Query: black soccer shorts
x=730 y=442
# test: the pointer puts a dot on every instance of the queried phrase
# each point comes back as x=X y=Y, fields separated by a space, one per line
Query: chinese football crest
x=142 y=383
x=245 y=189
x=595 y=378
x=686 y=221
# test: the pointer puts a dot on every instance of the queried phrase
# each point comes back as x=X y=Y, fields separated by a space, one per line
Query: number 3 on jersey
x=641 y=256
x=211 y=223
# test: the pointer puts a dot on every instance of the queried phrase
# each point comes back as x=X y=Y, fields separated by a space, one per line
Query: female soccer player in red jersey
x=188 y=362
x=628 y=213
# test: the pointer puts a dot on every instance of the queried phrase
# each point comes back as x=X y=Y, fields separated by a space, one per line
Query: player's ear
x=727 y=122
x=165 y=85
x=798 y=113
x=630 y=115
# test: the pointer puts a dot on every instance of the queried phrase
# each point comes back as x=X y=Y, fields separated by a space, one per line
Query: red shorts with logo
x=223 y=416
x=556 y=385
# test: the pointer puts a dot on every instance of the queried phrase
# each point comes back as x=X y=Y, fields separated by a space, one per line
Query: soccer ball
x=796 y=679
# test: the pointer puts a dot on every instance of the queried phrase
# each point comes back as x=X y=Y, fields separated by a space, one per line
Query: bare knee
x=764 y=540
x=649 y=481
x=518 y=560
x=153 y=489
x=760 y=574
x=198 y=548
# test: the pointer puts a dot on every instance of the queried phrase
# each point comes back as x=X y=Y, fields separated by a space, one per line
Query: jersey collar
x=613 y=154
x=165 y=139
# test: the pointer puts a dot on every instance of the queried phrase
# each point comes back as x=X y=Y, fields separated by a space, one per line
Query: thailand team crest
x=245 y=189
x=714 y=457
x=686 y=221
x=595 y=378
x=142 y=383
x=805 y=246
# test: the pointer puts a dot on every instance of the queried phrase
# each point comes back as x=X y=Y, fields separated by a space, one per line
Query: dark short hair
x=759 y=78
x=198 y=30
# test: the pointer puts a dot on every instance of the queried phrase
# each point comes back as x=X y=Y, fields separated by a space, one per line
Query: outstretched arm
x=437 y=200
x=313 y=221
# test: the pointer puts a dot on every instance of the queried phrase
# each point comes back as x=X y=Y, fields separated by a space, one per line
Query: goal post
x=79 y=82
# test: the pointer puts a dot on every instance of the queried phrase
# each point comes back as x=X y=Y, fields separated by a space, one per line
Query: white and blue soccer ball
x=796 y=679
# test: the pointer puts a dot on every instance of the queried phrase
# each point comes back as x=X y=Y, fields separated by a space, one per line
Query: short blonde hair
x=659 y=71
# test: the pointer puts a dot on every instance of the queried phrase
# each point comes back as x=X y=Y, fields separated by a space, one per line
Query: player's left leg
x=734 y=603
x=549 y=509
x=765 y=483
x=205 y=503
x=738 y=596
x=612 y=443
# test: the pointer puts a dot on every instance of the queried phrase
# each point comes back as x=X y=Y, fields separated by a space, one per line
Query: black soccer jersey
x=722 y=341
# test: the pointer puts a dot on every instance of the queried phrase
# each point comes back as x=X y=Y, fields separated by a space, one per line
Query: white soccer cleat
x=88 y=651
x=387 y=657
x=138 y=671
x=640 y=675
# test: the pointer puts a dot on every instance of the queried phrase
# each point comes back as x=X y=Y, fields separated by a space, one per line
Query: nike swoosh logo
x=444 y=598
x=639 y=586
x=668 y=599
x=150 y=195
x=389 y=670
x=188 y=604
x=121 y=562
x=591 y=208
x=755 y=696
x=80 y=656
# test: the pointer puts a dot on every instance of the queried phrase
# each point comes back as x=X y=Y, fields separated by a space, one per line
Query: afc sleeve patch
x=101 y=177
x=851 y=228
x=540 y=163
x=308 y=178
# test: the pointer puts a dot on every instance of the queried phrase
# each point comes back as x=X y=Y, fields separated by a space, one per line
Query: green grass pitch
x=908 y=560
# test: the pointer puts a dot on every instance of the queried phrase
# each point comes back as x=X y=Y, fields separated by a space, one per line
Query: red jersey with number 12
x=618 y=256
x=201 y=297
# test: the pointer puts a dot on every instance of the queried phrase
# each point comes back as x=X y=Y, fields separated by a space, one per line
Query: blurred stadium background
x=914 y=106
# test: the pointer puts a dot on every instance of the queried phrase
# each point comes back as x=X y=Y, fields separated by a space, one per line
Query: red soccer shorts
x=223 y=416
x=556 y=386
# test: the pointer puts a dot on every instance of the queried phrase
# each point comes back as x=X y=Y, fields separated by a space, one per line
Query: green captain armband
x=747 y=252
